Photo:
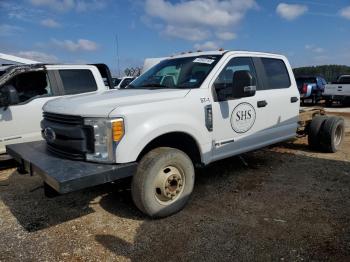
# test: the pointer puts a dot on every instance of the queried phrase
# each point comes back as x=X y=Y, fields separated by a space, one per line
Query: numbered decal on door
x=243 y=118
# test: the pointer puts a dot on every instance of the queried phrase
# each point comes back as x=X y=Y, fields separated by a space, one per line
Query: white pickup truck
x=24 y=89
x=123 y=81
x=187 y=111
x=338 y=91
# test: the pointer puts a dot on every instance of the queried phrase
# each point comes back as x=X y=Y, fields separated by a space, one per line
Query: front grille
x=63 y=153
x=72 y=139
x=65 y=119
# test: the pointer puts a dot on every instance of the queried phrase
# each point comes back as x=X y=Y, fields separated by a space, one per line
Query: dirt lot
x=281 y=203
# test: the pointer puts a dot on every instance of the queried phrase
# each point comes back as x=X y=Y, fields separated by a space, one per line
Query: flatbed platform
x=65 y=175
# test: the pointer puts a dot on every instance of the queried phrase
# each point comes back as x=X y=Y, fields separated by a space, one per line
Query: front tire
x=163 y=182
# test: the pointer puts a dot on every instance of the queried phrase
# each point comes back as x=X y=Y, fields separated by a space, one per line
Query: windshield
x=186 y=72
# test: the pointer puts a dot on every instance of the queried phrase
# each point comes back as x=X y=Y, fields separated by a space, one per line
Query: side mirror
x=243 y=84
x=8 y=96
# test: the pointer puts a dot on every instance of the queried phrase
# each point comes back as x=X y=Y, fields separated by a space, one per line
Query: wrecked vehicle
x=24 y=89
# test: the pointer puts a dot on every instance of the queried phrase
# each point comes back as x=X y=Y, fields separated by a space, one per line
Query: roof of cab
x=222 y=52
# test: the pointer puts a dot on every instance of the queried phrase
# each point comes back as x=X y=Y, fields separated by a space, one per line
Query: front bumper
x=66 y=175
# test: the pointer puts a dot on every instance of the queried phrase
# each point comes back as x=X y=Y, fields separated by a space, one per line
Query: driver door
x=21 y=122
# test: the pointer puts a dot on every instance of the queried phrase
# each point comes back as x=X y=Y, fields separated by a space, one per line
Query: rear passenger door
x=281 y=95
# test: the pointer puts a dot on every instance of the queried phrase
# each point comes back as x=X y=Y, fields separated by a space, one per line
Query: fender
x=143 y=133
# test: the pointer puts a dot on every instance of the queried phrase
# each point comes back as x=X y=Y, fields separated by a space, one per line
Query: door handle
x=294 y=99
x=262 y=103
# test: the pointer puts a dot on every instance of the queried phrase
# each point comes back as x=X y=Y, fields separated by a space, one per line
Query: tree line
x=329 y=72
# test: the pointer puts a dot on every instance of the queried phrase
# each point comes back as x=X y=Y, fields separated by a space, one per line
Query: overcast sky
x=84 y=31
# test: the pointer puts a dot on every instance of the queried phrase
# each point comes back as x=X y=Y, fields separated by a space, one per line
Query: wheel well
x=178 y=140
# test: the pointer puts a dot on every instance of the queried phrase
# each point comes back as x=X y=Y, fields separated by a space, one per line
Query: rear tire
x=315 y=126
x=332 y=134
x=163 y=182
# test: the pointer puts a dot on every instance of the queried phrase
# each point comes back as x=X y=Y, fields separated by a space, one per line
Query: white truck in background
x=185 y=112
x=122 y=82
x=24 y=89
x=338 y=91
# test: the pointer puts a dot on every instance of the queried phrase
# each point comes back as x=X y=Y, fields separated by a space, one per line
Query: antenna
x=117 y=44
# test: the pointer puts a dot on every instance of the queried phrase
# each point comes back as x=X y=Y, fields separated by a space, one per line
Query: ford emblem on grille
x=49 y=134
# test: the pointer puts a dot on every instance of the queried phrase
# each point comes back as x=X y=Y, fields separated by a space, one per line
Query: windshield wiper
x=153 y=86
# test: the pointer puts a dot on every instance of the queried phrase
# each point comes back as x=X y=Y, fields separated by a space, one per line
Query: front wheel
x=163 y=182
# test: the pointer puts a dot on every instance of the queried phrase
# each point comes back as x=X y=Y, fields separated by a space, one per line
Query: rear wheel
x=332 y=134
x=315 y=126
x=163 y=182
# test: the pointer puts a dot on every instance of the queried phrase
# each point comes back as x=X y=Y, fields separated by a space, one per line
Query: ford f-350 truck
x=187 y=111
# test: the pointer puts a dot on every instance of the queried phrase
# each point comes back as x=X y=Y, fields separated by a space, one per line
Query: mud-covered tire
x=332 y=134
x=151 y=189
x=314 y=132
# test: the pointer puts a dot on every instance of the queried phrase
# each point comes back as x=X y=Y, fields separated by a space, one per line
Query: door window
x=225 y=78
x=31 y=85
x=77 y=81
x=276 y=74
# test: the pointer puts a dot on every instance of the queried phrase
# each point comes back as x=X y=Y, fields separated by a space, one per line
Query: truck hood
x=102 y=103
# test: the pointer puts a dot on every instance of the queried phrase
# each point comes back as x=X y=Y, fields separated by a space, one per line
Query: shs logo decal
x=243 y=118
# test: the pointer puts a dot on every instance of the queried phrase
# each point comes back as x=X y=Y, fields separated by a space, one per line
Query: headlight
x=107 y=135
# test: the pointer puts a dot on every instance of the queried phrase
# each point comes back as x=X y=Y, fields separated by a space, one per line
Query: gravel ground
x=280 y=203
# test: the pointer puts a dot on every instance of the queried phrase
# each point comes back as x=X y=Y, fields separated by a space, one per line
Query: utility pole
x=117 y=44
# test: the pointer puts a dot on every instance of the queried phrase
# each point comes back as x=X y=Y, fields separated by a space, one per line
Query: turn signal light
x=117 y=130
